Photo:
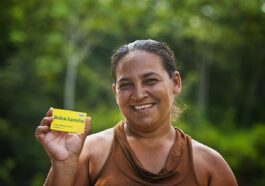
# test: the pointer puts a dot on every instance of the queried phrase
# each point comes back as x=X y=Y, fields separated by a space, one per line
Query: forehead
x=139 y=62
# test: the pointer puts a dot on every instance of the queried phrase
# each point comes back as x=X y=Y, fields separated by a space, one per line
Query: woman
x=144 y=149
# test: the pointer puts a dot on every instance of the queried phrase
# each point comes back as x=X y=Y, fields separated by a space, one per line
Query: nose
x=139 y=93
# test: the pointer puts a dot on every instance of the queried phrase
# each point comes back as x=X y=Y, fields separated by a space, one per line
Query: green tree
x=57 y=53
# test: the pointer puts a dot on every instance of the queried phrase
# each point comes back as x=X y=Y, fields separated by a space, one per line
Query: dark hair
x=152 y=46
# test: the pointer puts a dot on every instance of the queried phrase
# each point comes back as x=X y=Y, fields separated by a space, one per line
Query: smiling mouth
x=140 y=107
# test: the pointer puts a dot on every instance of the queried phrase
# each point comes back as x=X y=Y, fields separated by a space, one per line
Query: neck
x=162 y=131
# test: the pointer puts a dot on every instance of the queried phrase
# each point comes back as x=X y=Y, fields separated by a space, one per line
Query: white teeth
x=138 y=107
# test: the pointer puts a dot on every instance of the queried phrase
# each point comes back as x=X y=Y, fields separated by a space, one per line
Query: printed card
x=68 y=121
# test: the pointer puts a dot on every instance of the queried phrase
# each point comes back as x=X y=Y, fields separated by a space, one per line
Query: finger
x=41 y=131
x=49 y=113
x=46 y=121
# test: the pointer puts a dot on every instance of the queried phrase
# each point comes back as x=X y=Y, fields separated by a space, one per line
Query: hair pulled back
x=152 y=46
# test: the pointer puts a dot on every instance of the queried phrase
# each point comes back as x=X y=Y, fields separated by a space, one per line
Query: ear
x=177 y=83
x=114 y=89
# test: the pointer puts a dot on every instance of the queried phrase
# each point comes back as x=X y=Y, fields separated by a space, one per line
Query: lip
x=142 y=107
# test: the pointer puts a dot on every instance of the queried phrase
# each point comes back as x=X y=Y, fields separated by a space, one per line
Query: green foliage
x=220 y=54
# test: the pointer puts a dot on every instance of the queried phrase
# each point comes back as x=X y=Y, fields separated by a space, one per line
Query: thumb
x=87 y=127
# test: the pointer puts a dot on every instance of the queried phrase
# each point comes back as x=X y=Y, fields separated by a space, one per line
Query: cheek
x=165 y=94
x=121 y=98
x=162 y=91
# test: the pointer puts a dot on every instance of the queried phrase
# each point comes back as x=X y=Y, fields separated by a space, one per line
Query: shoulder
x=203 y=153
x=96 y=143
x=97 y=146
x=210 y=166
x=94 y=154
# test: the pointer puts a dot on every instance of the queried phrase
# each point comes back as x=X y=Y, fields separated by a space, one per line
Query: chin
x=143 y=123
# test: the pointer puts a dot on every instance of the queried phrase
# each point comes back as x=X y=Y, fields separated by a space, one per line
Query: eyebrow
x=123 y=79
x=126 y=79
x=150 y=74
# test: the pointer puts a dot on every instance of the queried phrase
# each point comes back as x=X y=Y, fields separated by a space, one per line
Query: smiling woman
x=146 y=93
x=144 y=149
x=161 y=50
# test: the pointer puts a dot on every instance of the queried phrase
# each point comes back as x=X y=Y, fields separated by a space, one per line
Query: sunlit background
x=57 y=53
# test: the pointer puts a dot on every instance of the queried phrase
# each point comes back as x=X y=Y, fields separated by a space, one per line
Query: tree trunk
x=203 y=83
x=70 y=81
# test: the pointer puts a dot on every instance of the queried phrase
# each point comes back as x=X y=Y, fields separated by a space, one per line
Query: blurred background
x=57 y=53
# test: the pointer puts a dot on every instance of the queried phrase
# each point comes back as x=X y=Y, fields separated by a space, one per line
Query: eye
x=151 y=81
x=124 y=85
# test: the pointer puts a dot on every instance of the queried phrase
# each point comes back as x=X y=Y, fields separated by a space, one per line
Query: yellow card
x=68 y=121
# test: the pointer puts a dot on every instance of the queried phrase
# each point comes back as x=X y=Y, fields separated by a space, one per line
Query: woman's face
x=144 y=91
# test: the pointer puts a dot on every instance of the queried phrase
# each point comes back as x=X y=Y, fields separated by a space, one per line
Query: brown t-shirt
x=123 y=168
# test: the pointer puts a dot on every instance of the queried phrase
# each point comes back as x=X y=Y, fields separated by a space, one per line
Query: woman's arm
x=210 y=167
x=62 y=173
x=63 y=149
x=221 y=174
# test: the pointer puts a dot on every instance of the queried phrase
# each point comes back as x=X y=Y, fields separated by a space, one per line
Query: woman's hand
x=60 y=146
